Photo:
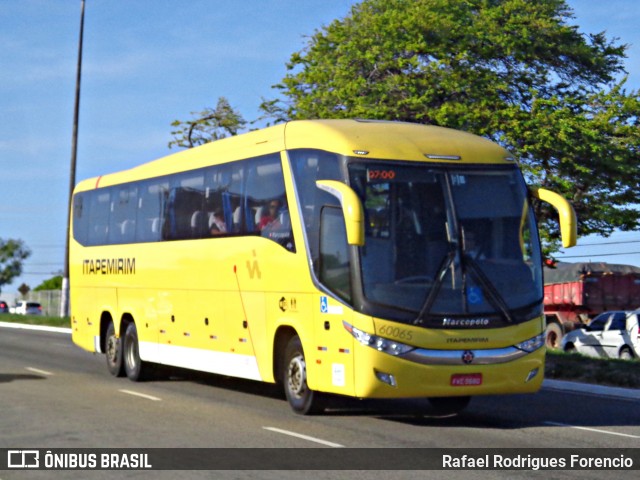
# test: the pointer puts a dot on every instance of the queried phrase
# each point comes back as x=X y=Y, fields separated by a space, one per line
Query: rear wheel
x=554 y=335
x=136 y=369
x=113 y=352
x=625 y=353
x=449 y=405
x=302 y=399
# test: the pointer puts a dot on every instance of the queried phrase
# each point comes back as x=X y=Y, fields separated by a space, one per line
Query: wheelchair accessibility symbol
x=324 y=305
x=474 y=296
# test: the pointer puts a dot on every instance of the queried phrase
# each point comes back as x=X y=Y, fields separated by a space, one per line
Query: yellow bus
x=361 y=258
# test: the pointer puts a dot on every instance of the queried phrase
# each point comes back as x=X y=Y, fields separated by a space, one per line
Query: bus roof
x=362 y=138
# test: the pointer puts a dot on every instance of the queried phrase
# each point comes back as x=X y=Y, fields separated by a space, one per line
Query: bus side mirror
x=351 y=209
x=568 y=222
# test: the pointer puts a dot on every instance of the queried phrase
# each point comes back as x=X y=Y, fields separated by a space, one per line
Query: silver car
x=609 y=335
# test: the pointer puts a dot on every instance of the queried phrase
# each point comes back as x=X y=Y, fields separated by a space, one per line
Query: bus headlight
x=381 y=344
x=532 y=344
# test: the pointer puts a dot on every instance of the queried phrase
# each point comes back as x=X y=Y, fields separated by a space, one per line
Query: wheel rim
x=112 y=349
x=297 y=376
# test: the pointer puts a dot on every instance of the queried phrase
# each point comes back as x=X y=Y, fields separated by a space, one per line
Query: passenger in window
x=270 y=216
x=218 y=225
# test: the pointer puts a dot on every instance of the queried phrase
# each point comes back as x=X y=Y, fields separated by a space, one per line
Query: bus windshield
x=447 y=242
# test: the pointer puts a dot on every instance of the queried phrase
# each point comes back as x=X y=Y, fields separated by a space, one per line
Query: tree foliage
x=515 y=71
x=206 y=126
x=53 y=283
x=12 y=254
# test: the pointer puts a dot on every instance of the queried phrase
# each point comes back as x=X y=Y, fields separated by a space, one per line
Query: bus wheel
x=554 y=335
x=113 y=352
x=135 y=368
x=302 y=399
x=449 y=405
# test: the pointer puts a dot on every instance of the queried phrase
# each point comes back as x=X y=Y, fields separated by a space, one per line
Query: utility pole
x=64 y=301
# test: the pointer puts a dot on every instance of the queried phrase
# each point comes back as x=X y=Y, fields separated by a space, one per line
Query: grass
x=35 y=320
x=599 y=371
x=559 y=365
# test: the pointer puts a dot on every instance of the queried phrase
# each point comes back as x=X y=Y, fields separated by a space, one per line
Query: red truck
x=576 y=292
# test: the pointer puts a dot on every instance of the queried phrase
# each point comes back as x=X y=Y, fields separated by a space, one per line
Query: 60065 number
x=395 y=332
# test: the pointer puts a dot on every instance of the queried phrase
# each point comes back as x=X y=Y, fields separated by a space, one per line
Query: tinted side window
x=265 y=204
x=152 y=198
x=80 y=217
x=334 y=253
x=309 y=166
x=122 y=223
x=245 y=197
x=185 y=216
x=99 y=212
x=598 y=323
x=619 y=321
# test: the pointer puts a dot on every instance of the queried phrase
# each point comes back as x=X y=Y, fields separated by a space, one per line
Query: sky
x=147 y=63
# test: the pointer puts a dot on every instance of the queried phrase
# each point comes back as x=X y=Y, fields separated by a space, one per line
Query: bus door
x=333 y=344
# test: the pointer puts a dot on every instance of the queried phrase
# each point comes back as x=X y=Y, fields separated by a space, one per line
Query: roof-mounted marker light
x=361 y=152
x=433 y=156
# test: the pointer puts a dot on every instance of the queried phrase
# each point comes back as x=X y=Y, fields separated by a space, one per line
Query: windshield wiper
x=435 y=289
x=492 y=292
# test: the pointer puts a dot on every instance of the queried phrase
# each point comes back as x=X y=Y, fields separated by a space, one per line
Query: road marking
x=591 y=429
x=304 y=437
x=136 y=394
x=37 y=370
x=42 y=328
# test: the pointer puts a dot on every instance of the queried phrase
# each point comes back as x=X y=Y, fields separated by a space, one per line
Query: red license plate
x=466 y=379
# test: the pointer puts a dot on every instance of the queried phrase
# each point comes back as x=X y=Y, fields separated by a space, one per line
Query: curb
x=598 y=390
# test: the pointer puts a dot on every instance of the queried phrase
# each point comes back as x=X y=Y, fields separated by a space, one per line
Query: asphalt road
x=55 y=395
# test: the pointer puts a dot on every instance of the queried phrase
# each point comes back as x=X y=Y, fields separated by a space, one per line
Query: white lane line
x=304 y=437
x=136 y=394
x=37 y=370
x=42 y=328
x=597 y=430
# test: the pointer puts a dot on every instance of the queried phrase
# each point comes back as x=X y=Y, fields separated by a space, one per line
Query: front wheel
x=136 y=369
x=301 y=398
x=113 y=352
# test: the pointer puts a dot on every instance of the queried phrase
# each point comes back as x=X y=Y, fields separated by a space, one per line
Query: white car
x=23 y=307
x=610 y=334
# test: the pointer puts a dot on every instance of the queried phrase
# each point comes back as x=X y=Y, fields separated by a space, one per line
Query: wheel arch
x=105 y=319
x=125 y=320
x=283 y=334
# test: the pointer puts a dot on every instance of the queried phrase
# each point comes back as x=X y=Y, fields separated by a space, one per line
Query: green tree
x=206 y=126
x=53 y=283
x=12 y=254
x=515 y=71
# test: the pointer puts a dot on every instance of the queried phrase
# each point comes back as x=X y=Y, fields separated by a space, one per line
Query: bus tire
x=301 y=398
x=449 y=405
x=136 y=369
x=113 y=352
x=554 y=335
